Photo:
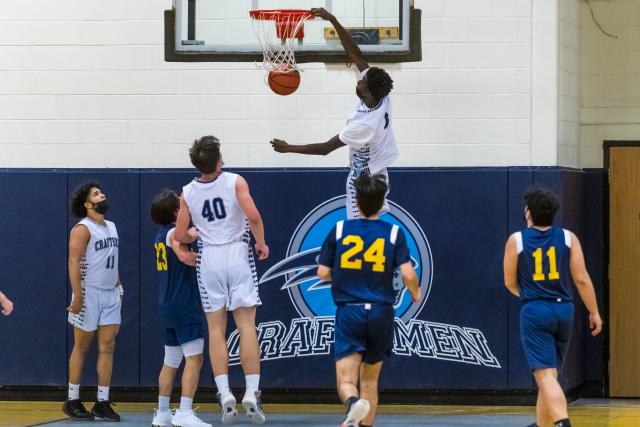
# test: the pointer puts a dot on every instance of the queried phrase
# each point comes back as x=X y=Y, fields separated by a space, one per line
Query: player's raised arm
x=78 y=241
x=246 y=203
x=584 y=285
x=181 y=233
x=510 y=265
x=350 y=46
x=321 y=149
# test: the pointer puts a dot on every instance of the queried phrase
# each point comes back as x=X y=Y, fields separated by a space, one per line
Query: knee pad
x=172 y=356
x=192 y=348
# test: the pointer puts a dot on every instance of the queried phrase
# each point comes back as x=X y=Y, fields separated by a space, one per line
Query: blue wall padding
x=466 y=215
x=33 y=262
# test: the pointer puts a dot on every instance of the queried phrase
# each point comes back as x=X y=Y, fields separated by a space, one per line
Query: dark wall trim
x=292 y=396
x=173 y=55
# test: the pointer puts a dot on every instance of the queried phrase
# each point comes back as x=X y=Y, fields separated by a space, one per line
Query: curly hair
x=164 y=207
x=205 y=153
x=379 y=82
x=80 y=197
x=542 y=205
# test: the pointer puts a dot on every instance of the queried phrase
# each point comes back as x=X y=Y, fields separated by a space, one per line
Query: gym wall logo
x=312 y=333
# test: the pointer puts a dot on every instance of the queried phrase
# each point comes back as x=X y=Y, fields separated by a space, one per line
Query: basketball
x=284 y=82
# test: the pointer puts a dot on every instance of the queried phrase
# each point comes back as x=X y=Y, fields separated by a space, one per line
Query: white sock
x=222 y=383
x=74 y=391
x=186 y=403
x=252 y=383
x=103 y=393
x=163 y=403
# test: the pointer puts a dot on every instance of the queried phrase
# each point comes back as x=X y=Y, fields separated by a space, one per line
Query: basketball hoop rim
x=276 y=14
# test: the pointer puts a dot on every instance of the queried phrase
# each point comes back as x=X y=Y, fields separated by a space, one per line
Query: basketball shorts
x=179 y=335
x=545 y=331
x=352 y=207
x=227 y=277
x=101 y=307
x=366 y=329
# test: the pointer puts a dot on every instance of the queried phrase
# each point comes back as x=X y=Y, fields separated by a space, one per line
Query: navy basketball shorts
x=545 y=331
x=366 y=329
x=174 y=337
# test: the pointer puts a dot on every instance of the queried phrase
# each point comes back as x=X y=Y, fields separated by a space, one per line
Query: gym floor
x=583 y=412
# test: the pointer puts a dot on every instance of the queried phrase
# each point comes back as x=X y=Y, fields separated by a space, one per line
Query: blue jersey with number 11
x=543 y=264
x=363 y=255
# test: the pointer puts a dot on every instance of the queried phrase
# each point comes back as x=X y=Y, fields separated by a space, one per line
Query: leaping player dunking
x=368 y=133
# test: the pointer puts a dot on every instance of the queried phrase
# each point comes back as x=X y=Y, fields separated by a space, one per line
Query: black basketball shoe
x=75 y=410
x=103 y=409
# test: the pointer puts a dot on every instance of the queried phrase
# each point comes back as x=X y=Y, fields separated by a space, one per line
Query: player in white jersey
x=221 y=208
x=96 y=299
x=372 y=146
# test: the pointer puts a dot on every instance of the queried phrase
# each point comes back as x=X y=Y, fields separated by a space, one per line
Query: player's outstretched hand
x=7 y=306
x=321 y=12
x=262 y=250
x=279 y=145
x=76 y=305
x=595 y=323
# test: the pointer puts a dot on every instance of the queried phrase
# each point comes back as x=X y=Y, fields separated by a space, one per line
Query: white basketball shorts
x=227 y=277
x=101 y=307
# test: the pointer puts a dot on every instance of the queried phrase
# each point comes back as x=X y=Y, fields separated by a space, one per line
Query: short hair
x=80 y=198
x=370 y=193
x=542 y=205
x=164 y=207
x=205 y=153
x=379 y=82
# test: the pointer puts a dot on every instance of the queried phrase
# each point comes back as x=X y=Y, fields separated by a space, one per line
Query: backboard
x=222 y=30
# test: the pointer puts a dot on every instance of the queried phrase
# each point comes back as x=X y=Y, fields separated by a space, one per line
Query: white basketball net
x=277 y=32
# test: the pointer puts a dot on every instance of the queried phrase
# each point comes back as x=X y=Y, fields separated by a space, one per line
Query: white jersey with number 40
x=215 y=211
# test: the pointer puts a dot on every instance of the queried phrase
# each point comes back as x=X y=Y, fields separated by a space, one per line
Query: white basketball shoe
x=187 y=419
x=356 y=413
x=227 y=408
x=253 y=407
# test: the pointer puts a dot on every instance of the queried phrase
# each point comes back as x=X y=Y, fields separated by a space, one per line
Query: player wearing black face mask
x=97 y=298
x=101 y=207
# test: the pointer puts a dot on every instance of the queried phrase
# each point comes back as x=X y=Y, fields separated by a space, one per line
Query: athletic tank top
x=215 y=211
x=99 y=265
x=543 y=264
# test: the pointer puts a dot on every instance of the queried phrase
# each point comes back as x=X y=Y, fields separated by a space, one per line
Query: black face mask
x=101 y=207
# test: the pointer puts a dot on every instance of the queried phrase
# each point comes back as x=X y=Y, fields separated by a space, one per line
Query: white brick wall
x=568 y=83
x=609 y=80
x=83 y=83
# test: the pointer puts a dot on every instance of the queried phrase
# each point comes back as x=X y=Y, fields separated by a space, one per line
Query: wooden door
x=624 y=271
